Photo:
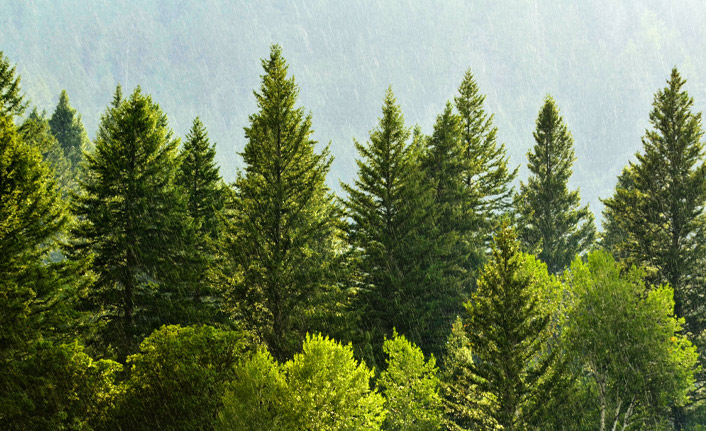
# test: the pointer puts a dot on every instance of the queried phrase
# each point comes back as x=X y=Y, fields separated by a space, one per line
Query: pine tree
x=66 y=126
x=656 y=214
x=282 y=241
x=133 y=224
x=488 y=178
x=200 y=179
x=551 y=220
x=509 y=330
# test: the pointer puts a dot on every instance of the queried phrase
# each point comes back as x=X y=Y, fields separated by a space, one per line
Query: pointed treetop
x=12 y=102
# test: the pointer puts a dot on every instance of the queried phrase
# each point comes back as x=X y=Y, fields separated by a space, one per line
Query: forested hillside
x=600 y=60
x=192 y=261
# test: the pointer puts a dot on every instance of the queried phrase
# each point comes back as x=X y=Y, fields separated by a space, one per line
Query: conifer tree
x=508 y=328
x=400 y=263
x=282 y=241
x=659 y=204
x=133 y=224
x=552 y=222
x=31 y=215
x=201 y=180
x=66 y=126
x=487 y=176
x=12 y=103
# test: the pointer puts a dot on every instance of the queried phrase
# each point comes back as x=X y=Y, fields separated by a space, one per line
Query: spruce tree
x=282 y=241
x=66 y=126
x=400 y=265
x=514 y=367
x=200 y=179
x=551 y=220
x=487 y=175
x=133 y=225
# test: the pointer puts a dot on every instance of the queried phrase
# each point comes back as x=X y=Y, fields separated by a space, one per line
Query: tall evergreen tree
x=68 y=129
x=514 y=367
x=132 y=223
x=392 y=228
x=487 y=175
x=201 y=180
x=282 y=240
x=552 y=222
x=657 y=215
x=12 y=103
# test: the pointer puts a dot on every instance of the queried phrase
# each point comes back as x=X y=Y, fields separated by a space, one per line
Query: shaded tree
x=551 y=220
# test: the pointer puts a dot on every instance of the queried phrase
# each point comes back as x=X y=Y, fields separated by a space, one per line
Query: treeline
x=139 y=291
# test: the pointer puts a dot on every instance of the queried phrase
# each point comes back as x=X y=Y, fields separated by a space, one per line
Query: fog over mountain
x=601 y=60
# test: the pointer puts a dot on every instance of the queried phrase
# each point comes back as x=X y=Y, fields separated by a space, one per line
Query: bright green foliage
x=35 y=130
x=56 y=387
x=133 y=225
x=200 y=179
x=400 y=263
x=68 y=129
x=487 y=176
x=330 y=390
x=411 y=388
x=628 y=344
x=551 y=220
x=177 y=380
x=12 y=102
x=510 y=330
x=323 y=388
x=282 y=240
x=256 y=399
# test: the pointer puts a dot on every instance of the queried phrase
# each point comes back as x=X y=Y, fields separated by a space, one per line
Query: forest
x=434 y=291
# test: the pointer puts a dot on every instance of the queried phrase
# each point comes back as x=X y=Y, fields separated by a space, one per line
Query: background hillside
x=601 y=61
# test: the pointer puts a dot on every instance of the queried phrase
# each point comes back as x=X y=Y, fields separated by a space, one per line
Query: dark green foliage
x=12 y=102
x=66 y=126
x=177 y=379
x=133 y=225
x=281 y=245
x=487 y=176
x=658 y=206
x=200 y=179
x=551 y=219
x=515 y=364
x=399 y=252
x=411 y=388
x=55 y=387
x=446 y=165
